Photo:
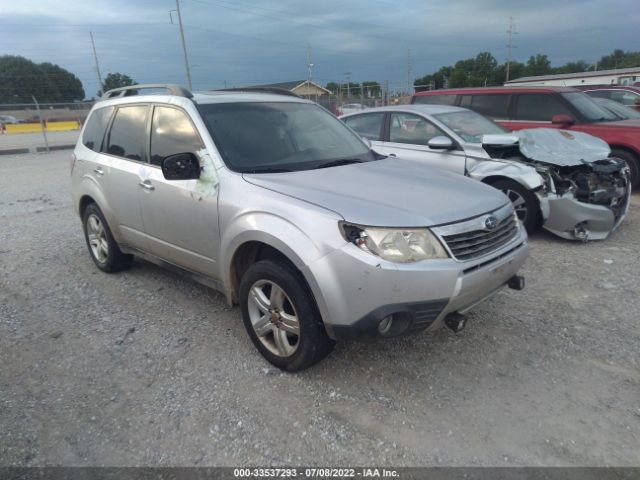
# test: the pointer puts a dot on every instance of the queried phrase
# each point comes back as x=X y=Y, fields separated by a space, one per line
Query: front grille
x=476 y=243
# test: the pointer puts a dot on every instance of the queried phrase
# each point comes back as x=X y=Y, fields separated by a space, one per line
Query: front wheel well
x=246 y=255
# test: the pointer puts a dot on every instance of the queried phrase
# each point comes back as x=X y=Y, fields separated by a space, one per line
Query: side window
x=408 y=128
x=539 y=107
x=172 y=132
x=95 y=129
x=492 y=106
x=127 y=135
x=435 y=99
x=599 y=93
x=626 y=98
x=367 y=126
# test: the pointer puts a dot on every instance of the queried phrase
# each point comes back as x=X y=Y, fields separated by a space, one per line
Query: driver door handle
x=392 y=155
x=146 y=184
x=99 y=171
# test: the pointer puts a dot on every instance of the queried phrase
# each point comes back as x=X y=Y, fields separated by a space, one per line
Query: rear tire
x=281 y=316
x=103 y=248
x=524 y=202
x=632 y=161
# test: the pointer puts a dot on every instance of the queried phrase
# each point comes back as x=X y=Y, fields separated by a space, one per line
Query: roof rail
x=274 y=90
x=133 y=90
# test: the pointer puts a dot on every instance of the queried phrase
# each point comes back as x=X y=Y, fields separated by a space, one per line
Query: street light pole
x=44 y=134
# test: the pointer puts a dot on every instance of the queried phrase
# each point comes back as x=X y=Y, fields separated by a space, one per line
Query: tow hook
x=516 y=282
x=455 y=321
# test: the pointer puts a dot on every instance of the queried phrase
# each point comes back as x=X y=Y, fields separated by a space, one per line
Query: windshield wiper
x=267 y=170
x=339 y=162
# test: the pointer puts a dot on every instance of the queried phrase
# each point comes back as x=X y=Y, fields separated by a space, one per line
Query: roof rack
x=133 y=90
x=274 y=90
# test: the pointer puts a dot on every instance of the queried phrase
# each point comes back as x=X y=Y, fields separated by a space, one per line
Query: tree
x=538 y=65
x=333 y=87
x=20 y=79
x=371 y=89
x=116 y=80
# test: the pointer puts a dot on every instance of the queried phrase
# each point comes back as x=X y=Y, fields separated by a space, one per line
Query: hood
x=390 y=193
x=563 y=148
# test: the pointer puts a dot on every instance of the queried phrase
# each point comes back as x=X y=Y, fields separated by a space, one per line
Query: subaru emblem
x=490 y=222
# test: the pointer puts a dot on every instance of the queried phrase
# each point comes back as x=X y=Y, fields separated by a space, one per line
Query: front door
x=408 y=137
x=180 y=216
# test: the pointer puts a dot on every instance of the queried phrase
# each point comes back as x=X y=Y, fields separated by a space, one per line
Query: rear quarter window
x=95 y=129
x=493 y=106
x=435 y=99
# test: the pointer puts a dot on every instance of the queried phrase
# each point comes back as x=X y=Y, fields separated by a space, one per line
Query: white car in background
x=561 y=180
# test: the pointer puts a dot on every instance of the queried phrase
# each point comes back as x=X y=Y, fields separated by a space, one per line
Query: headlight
x=396 y=244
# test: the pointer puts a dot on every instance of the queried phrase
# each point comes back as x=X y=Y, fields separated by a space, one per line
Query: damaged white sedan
x=561 y=180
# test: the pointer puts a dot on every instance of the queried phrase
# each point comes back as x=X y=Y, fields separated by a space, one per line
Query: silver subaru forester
x=276 y=203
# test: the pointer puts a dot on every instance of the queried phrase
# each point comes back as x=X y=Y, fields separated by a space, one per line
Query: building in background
x=302 y=88
x=620 y=76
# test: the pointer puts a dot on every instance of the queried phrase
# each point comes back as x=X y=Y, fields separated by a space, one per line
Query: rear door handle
x=392 y=155
x=146 y=184
x=99 y=171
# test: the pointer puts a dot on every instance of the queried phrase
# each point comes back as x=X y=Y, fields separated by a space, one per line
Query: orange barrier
x=35 y=127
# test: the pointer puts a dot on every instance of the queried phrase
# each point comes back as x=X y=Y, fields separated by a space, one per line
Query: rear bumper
x=355 y=290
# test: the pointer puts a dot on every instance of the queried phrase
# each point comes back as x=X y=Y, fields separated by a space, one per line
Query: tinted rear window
x=127 y=135
x=492 y=106
x=435 y=99
x=540 y=107
x=95 y=128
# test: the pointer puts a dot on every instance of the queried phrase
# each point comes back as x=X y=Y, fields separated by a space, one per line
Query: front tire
x=281 y=317
x=103 y=248
x=524 y=202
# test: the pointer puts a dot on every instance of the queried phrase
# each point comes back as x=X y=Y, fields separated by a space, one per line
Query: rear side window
x=435 y=99
x=492 y=106
x=95 y=129
x=368 y=126
x=539 y=107
x=172 y=132
x=127 y=135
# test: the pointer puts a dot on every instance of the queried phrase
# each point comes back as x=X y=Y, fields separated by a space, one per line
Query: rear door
x=122 y=157
x=535 y=110
x=180 y=216
x=407 y=137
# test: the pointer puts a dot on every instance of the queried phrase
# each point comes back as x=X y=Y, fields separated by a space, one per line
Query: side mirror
x=562 y=119
x=181 y=166
x=440 y=143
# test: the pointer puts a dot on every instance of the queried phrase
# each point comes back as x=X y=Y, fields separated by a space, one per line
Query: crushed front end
x=588 y=201
x=586 y=193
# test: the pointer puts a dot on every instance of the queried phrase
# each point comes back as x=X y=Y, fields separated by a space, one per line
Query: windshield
x=469 y=126
x=261 y=137
x=588 y=108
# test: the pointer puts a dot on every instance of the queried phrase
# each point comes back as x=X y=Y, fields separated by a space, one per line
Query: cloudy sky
x=243 y=42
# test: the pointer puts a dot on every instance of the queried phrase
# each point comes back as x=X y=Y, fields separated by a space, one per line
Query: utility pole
x=309 y=65
x=511 y=32
x=184 y=46
x=408 y=71
x=95 y=57
x=348 y=74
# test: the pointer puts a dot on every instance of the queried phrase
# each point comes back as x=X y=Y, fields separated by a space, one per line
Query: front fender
x=525 y=175
x=280 y=233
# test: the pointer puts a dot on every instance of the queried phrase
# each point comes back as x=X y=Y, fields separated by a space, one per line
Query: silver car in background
x=560 y=180
x=276 y=203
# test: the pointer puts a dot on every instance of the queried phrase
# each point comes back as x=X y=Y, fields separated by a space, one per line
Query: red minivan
x=516 y=108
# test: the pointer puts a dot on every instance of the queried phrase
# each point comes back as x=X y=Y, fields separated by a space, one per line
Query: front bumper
x=355 y=290
x=574 y=220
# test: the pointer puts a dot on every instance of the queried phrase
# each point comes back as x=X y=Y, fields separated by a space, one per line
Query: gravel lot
x=148 y=368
